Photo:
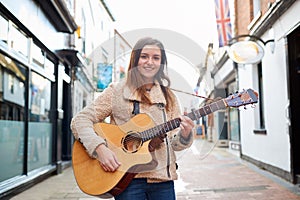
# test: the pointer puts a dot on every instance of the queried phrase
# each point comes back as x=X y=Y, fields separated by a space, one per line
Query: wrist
x=95 y=153
x=185 y=139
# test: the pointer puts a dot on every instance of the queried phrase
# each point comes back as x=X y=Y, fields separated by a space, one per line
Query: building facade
x=45 y=77
x=265 y=135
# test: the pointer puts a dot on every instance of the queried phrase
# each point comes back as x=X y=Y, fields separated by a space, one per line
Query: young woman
x=145 y=90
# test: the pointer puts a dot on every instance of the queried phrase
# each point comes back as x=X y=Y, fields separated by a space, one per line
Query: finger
x=187 y=121
x=115 y=165
x=104 y=167
x=116 y=161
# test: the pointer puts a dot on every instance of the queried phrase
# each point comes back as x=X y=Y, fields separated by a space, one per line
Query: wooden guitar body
x=134 y=158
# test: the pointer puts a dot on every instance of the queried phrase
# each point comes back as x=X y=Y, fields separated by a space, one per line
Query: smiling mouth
x=148 y=68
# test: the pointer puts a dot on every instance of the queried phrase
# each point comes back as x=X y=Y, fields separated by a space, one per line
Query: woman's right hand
x=107 y=158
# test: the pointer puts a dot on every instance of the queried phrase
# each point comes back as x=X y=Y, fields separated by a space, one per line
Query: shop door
x=294 y=96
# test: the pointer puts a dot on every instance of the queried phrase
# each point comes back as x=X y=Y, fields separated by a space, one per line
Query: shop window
x=3 y=29
x=39 y=127
x=261 y=97
x=256 y=7
x=260 y=119
x=12 y=121
x=19 y=41
x=38 y=55
x=234 y=127
x=71 y=6
x=49 y=67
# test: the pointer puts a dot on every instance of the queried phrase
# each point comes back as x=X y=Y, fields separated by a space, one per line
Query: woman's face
x=149 y=62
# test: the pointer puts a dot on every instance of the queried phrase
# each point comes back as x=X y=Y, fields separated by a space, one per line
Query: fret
x=148 y=134
x=173 y=124
x=191 y=115
x=207 y=109
x=144 y=136
x=214 y=107
x=178 y=121
x=202 y=112
x=155 y=130
x=165 y=128
x=221 y=104
x=197 y=114
x=168 y=128
x=161 y=129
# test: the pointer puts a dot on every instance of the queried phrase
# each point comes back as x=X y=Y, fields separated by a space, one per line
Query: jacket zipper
x=167 y=141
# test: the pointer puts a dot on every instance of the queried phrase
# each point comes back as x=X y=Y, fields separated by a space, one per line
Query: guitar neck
x=175 y=123
x=205 y=110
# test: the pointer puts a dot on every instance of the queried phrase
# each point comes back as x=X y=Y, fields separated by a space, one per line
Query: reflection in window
x=256 y=7
x=12 y=92
x=19 y=41
x=12 y=121
x=234 y=126
x=3 y=29
x=40 y=98
x=38 y=57
x=49 y=67
x=39 y=127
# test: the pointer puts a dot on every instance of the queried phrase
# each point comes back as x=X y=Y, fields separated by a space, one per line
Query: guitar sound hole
x=132 y=142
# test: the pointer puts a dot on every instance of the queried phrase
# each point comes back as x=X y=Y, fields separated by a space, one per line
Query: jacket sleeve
x=83 y=122
x=177 y=141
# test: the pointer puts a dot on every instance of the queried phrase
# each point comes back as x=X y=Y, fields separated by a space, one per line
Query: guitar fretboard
x=175 y=123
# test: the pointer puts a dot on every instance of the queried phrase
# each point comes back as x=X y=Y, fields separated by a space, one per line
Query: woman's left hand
x=186 y=126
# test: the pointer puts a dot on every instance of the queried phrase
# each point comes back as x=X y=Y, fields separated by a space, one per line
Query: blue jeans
x=139 y=189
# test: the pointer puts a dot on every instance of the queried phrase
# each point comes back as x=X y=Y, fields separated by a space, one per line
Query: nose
x=150 y=60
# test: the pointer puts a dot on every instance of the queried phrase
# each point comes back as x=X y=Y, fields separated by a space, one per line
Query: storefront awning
x=72 y=56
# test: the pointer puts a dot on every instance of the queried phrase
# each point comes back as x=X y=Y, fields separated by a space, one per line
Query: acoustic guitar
x=130 y=142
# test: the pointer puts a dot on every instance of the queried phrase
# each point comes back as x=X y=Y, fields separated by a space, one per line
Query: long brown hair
x=135 y=79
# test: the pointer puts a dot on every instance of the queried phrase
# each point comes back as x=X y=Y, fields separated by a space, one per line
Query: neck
x=148 y=86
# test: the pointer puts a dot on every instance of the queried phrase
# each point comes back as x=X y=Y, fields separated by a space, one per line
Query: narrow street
x=205 y=172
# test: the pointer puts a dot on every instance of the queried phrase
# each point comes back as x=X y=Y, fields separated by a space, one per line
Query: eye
x=143 y=56
x=156 y=58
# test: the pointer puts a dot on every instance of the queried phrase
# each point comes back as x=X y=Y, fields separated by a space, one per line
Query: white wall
x=273 y=148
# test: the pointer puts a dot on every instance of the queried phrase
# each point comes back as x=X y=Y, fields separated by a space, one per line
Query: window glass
x=3 y=29
x=261 y=97
x=38 y=57
x=39 y=127
x=19 y=41
x=49 y=67
x=233 y=116
x=12 y=121
x=256 y=7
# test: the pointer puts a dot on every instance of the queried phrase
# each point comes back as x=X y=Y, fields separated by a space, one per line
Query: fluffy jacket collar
x=156 y=95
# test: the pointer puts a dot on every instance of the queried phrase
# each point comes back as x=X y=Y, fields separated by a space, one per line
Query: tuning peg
x=245 y=108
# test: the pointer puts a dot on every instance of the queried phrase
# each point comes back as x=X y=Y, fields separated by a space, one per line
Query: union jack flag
x=223 y=21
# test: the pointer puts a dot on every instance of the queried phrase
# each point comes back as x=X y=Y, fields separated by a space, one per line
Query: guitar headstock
x=242 y=98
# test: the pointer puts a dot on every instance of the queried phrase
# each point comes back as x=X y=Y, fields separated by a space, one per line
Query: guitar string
x=206 y=98
x=195 y=95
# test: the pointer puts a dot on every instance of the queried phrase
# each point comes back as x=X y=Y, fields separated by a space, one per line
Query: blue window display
x=104 y=76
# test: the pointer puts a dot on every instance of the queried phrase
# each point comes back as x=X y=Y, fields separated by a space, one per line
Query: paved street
x=203 y=174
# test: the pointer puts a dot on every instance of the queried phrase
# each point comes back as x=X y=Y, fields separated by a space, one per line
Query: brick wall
x=244 y=14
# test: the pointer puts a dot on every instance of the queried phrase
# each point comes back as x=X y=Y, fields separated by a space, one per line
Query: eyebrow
x=148 y=54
